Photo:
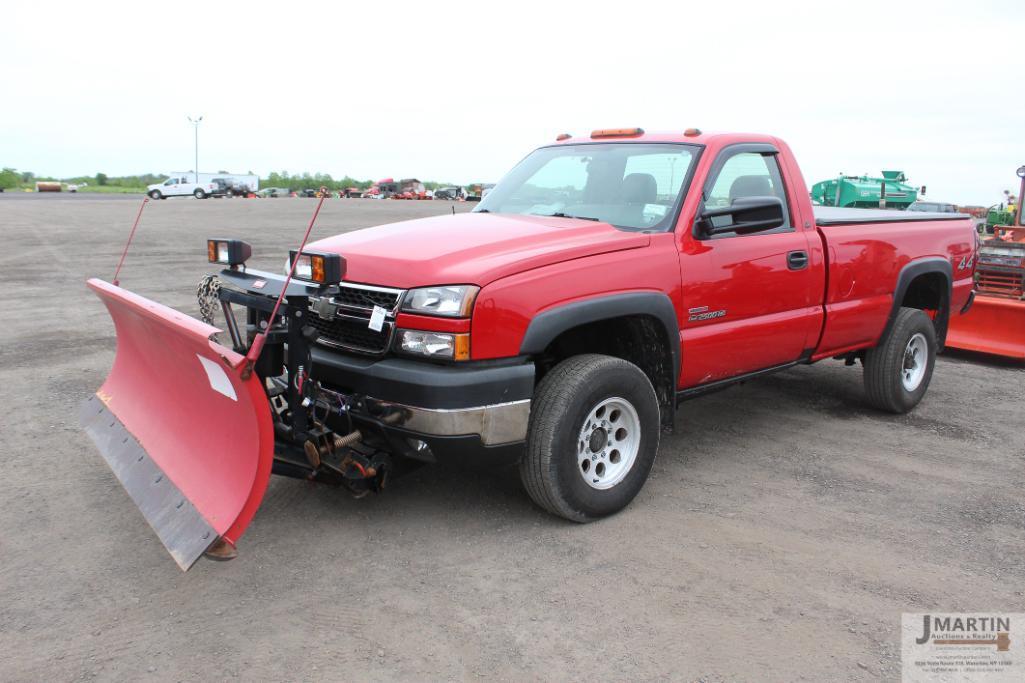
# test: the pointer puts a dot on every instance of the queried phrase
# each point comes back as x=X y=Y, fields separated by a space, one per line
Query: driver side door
x=750 y=301
x=171 y=187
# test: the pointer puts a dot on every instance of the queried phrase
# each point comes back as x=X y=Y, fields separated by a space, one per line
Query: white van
x=180 y=186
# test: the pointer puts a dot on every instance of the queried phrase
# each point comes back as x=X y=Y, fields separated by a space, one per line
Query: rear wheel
x=899 y=368
x=594 y=431
x=199 y=194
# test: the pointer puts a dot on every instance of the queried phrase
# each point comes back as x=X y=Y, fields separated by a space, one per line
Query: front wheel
x=199 y=194
x=155 y=194
x=594 y=431
x=899 y=368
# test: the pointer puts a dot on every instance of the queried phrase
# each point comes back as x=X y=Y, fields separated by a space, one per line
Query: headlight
x=454 y=301
x=445 y=345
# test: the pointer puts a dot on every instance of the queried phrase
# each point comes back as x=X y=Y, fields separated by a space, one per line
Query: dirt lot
x=783 y=531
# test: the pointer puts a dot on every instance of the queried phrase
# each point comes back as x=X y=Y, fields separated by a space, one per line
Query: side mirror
x=744 y=216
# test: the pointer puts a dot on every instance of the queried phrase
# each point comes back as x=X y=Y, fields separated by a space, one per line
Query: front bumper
x=487 y=401
x=497 y=424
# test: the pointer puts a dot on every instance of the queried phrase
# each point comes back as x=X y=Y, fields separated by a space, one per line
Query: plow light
x=228 y=252
x=324 y=269
x=434 y=344
x=1021 y=171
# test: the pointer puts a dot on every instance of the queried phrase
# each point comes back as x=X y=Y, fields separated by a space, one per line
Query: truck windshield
x=633 y=186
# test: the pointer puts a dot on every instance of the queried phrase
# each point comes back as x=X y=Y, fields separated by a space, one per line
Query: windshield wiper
x=559 y=214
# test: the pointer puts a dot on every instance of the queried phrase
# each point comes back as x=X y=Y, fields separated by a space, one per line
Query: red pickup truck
x=558 y=325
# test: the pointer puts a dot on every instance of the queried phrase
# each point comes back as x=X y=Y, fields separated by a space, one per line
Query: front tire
x=899 y=368
x=155 y=194
x=594 y=431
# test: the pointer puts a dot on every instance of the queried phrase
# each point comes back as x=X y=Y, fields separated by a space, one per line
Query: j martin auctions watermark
x=985 y=647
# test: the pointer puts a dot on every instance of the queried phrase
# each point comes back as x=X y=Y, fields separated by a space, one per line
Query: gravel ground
x=784 y=528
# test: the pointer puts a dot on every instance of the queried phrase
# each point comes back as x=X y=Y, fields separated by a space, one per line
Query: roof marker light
x=692 y=132
x=617 y=132
x=563 y=136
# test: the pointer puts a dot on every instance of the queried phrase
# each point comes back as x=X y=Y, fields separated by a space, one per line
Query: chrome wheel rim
x=608 y=443
x=916 y=357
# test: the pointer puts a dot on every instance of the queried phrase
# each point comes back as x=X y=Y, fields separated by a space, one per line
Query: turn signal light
x=617 y=132
x=228 y=252
x=462 y=350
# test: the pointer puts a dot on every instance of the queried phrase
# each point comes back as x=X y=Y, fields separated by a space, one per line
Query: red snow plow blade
x=190 y=440
x=993 y=325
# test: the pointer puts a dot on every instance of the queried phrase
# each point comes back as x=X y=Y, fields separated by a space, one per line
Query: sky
x=459 y=92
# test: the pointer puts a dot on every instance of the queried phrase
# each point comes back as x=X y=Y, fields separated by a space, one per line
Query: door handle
x=797 y=260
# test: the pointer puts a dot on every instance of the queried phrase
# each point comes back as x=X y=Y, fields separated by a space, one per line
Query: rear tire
x=899 y=368
x=199 y=194
x=594 y=431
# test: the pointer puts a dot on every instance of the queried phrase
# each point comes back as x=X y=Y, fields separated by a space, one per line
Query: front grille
x=366 y=298
x=346 y=321
x=1001 y=269
x=1007 y=282
x=352 y=333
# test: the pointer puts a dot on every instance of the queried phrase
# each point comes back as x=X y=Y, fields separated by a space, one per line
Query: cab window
x=748 y=174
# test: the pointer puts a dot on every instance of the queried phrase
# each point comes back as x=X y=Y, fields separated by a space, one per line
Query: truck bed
x=834 y=215
x=866 y=250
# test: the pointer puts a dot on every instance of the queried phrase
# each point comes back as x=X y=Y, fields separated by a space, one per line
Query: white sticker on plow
x=219 y=381
x=377 y=319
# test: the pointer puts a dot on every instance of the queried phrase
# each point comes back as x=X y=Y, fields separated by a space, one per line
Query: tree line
x=11 y=178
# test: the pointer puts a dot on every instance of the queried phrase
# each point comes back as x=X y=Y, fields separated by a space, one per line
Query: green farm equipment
x=864 y=192
x=1000 y=214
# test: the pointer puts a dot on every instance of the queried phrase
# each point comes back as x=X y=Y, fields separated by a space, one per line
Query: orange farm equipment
x=995 y=323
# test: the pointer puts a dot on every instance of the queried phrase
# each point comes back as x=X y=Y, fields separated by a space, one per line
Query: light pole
x=195 y=126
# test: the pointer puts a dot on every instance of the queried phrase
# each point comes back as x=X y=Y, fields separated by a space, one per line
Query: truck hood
x=470 y=248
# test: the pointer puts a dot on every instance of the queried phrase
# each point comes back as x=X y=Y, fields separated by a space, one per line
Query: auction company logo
x=964 y=647
x=961 y=626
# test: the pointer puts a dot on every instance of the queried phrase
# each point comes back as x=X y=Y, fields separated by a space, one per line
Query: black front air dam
x=426 y=385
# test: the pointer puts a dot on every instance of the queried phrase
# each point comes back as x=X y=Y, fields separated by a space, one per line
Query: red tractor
x=995 y=323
